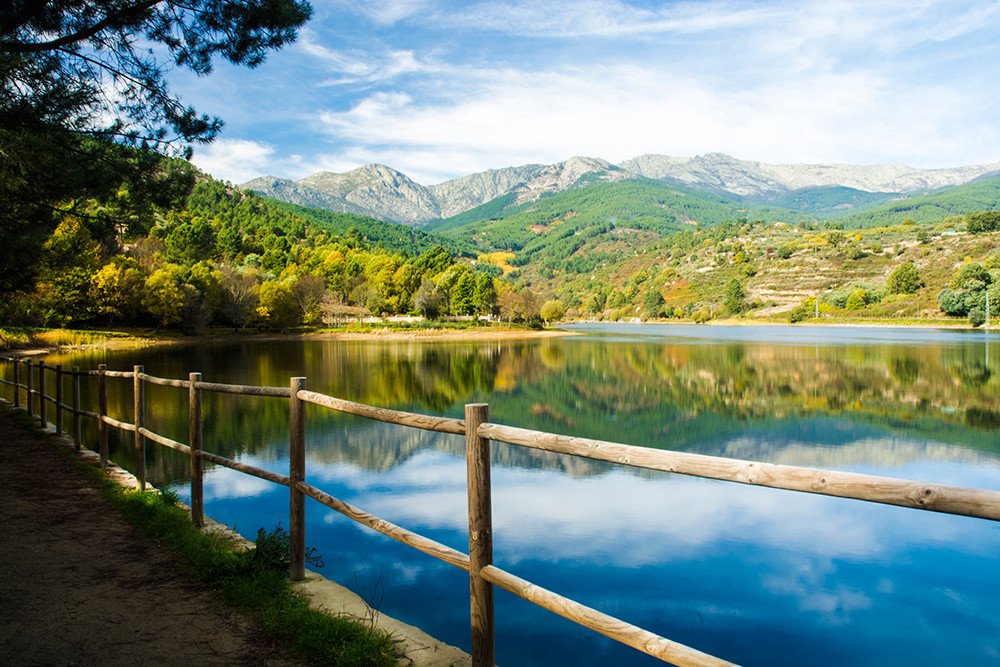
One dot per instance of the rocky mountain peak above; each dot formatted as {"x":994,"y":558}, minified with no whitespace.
{"x":564,"y":175}
{"x":759,"y":179}
{"x":385,"y":193}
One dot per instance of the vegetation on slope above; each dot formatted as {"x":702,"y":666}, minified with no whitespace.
{"x":776,"y":271}
{"x":390,"y":236}
{"x":828,"y":202}
{"x":979,"y":195}
{"x":222,"y":256}
{"x":626,"y":250}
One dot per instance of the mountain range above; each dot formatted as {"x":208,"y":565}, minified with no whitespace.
{"x":387,"y":194}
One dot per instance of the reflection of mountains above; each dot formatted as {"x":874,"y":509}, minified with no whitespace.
{"x":878,"y":452}
{"x":380,"y":447}
{"x":690,"y":397}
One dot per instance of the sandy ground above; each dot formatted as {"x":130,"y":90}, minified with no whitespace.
{"x":79,"y":586}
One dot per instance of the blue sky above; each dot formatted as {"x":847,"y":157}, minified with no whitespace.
{"x":443,"y":89}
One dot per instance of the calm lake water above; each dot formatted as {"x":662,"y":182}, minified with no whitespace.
{"x":756,"y":576}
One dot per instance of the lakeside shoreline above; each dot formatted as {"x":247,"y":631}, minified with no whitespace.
{"x":114,"y":340}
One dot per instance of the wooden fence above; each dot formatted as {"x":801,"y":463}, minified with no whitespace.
{"x":479,"y":433}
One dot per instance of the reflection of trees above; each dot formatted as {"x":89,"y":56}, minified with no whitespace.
{"x":693,"y":397}
{"x":904,"y":369}
{"x":681,"y":396}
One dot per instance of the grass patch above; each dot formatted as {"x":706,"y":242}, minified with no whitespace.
{"x":12,"y":338}
{"x":254,"y":581}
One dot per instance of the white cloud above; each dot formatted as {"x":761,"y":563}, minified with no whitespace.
{"x":222,"y":483}
{"x":239,"y":160}
{"x":604,"y":18}
{"x":387,"y":12}
{"x":508,"y":117}
{"x":356,"y":66}
{"x":441,"y":92}
{"x":235,"y":160}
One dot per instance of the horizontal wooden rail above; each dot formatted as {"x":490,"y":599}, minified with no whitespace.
{"x":120,"y":374}
{"x":978,"y":503}
{"x":244,"y":390}
{"x":165,"y":441}
{"x":125,"y":426}
{"x":419,"y":542}
{"x":92,"y":415}
{"x":609,"y":626}
{"x":165,"y":382}
{"x":277,"y":478}
{"x":426,"y":422}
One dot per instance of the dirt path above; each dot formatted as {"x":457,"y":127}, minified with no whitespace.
{"x":79,"y":586}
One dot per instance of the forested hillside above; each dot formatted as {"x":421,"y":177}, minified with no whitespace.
{"x":555,"y":227}
{"x":619,"y":251}
{"x":227,"y":257}
{"x":389,"y":235}
{"x":980,"y":195}
{"x":828,"y":202}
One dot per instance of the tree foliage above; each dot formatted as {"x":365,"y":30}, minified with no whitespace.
{"x":982,"y":222}
{"x":86,"y":113}
{"x":735,"y":297}
{"x":87,"y":66}
{"x":905,"y":279}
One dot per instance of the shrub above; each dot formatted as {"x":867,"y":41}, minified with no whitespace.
{"x":984,"y":221}
{"x":972,"y":272}
{"x":553,"y":310}
{"x":854,"y":251}
{"x":952,"y":302}
{"x":905,"y":279}
{"x":803,"y":311}
{"x":857,"y":300}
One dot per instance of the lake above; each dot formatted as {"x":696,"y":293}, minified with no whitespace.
{"x":753,"y":575}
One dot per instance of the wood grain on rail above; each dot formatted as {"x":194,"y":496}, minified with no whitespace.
{"x":426,"y":422}
{"x":978,"y":503}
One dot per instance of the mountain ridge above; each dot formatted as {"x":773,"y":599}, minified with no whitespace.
{"x":385,"y":193}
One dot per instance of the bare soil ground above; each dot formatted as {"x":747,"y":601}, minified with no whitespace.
{"x":80,"y":586}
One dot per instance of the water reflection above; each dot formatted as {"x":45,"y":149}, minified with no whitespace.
{"x":733,"y":392}
{"x":733,"y":570}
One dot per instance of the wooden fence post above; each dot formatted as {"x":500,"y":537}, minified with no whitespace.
{"x":139,"y":396}
{"x":59,"y":399}
{"x":28,"y":387}
{"x":77,"y":434}
{"x":297,"y":471}
{"x":17,"y":383}
{"x":194,"y":428}
{"x":43,"y":419}
{"x":477,"y":457}
{"x":102,"y":412}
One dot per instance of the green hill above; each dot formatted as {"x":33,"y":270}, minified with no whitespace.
{"x":828,"y":201}
{"x":390,"y":235}
{"x":557,"y":225}
{"x":491,"y":210}
{"x":982,"y":194}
